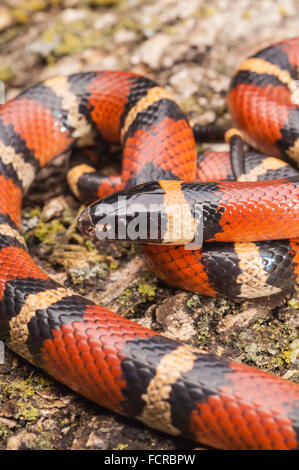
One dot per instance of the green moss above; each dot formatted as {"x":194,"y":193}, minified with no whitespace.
{"x":295,"y":377}
{"x":267,"y":346}
{"x":51,"y":60}
{"x":204,"y":330}
{"x":191,"y":105}
{"x":133,"y":299}
{"x":113,"y":265}
{"x":147,"y":289}
{"x":208,"y":321}
{"x":3,"y":432}
{"x":5,"y":73}
{"x":210,"y":11}
{"x":89,"y":245}
{"x":126,"y":298}
{"x":144,"y":291}
{"x":64,"y":422}
{"x":224,"y":306}
{"x":68,"y":215}
{"x":44,"y":441}
{"x":20,"y":15}
{"x":193,"y":301}
{"x":205,"y":12}
{"x":70,"y":44}
{"x":67,"y":39}
{"x":37,"y":382}
{"x":89,"y":273}
{"x":126,"y":22}
{"x":36,"y":212}
{"x":8,"y":34}
{"x":122,"y":446}
{"x":37,"y":5}
{"x":294,"y":304}
{"x":26,"y":411}
{"x":24,"y":387}
{"x":171,"y":30}
{"x":47,"y":232}
{"x":285,"y":357}
{"x":49,"y":35}
{"x":30,"y":220}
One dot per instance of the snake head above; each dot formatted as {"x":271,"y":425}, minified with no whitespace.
{"x":151,"y":213}
{"x":126,"y":215}
{"x":84,"y":223}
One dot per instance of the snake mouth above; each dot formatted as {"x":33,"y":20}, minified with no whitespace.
{"x":84,"y":223}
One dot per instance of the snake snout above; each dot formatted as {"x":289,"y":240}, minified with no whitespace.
{"x":84,"y":223}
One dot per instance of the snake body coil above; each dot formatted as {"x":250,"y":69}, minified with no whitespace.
{"x":112,"y":361}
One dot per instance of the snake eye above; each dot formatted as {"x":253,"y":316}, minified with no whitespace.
{"x":90,"y":231}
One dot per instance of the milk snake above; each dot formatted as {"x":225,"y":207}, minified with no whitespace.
{"x":108,"y":359}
